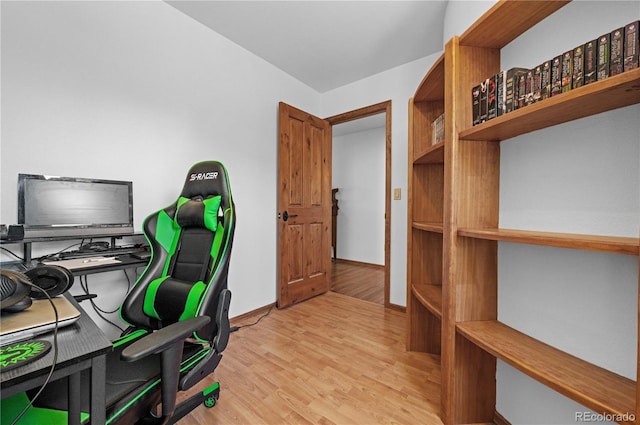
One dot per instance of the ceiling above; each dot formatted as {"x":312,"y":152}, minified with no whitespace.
{"x":326,"y":44}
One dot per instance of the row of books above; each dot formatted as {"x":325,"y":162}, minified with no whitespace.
{"x":608,"y":55}
{"x":437,"y":130}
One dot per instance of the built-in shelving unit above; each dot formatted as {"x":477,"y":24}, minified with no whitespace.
{"x":613,"y":244}
{"x":453,"y":230}
{"x":426,"y":203}
{"x":600,"y":96}
{"x":592,"y":386}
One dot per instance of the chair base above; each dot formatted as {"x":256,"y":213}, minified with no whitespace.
{"x":209,"y":397}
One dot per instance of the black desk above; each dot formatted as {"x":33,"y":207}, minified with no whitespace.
{"x":81,"y":346}
{"x":28,"y":242}
{"x":126,"y":262}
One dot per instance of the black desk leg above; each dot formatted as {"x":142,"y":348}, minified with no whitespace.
{"x":98,"y":390}
{"x":74,"y":399}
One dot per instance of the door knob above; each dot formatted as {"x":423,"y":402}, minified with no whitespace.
{"x":286,"y":215}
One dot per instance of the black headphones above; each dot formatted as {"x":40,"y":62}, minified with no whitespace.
{"x":16,"y":289}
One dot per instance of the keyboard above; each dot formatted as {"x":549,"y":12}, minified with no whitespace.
{"x":84,"y":263}
{"x":111,"y":252}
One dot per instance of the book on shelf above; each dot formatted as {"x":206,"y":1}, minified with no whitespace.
{"x":500,"y":99}
{"x":567,"y":71}
{"x":512,"y":81}
{"x":521,"y":90}
{"x":475,"y":104}
{"x":492,"y":99}
{"x":528,"y":87}
{"x":545,"y":80}
{"x":537,"y":83}
{"x":616,"y":56}
{"x":483,"y":101}
{"x":590,"y":61}
{"x":603,"y":56}
{"x":578,"y":67}
{"x":631,"y":45}
{"x":556,"y":76}
{"x":496,"y":96}
{"x":500,"y":95}
{"x":437,"y":130}
{"x":610,"y":54}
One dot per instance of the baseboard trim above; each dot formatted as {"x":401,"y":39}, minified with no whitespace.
{"x":396,"y":307}
{"x":359,"y":263}
{"x":253,"y":314}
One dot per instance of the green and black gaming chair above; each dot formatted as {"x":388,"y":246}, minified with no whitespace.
{"x":182,"y":292}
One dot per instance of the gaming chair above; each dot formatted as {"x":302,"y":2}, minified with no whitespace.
{"x":177,"y":311}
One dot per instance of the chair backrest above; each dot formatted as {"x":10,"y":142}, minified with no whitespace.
{"x":190,"y":242}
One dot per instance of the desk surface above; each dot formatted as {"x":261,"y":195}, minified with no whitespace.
{"x":77,"y":342}
{"x":124,"y":261}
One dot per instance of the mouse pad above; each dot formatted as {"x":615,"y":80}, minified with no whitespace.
{"x":20,"y":353}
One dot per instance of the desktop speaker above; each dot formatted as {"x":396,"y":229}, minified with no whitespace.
{"x":17,"y":288}
{"x":12,"y":233}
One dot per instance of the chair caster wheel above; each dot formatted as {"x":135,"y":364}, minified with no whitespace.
{"x":210,"y":402}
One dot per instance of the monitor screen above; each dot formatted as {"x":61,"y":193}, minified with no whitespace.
{"x":70,"y":206}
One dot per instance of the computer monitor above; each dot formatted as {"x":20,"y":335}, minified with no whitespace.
{"x":51,"y":206}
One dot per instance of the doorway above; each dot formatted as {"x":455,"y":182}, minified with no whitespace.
{"x":362,"y":271}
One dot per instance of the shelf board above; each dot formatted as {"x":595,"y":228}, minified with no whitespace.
{"x":601,"y":96}
{"x":432,"y":85}
{"x":427,"y":227}
{"x":507,"y":20}
{"x":429,"y":296}
{"x":612,"y":244}
{"x":434,"y":154}
{"x":592,"y":386}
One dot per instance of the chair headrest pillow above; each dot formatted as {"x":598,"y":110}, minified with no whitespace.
{"x":198,"y":213}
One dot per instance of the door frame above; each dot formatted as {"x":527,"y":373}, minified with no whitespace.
{"x":382,"y":107}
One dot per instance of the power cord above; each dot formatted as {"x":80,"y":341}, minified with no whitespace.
{"x":84,"y":283}
{"x":55,"y":254}
{"x":55,"y":355}
{"x":237,"y":328}
{"x":12,"y":253}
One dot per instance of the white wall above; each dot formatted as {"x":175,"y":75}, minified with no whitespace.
{"x":461,"y":14}
{"x":138,"y":91}
{"x":398,"y":85}
{"x":359,"y":174}
{"x":579,"y":177}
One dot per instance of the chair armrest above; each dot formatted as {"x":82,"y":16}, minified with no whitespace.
{"x":164,"y":338}
{"x":167,"y":341}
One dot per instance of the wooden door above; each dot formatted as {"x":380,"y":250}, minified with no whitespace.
{"x":304,"y":206}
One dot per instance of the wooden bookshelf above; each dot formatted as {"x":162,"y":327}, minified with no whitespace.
{"x":613,"y":244}
{"x":431,"y":88}
{"x":429,"y":296}
{"x":434,"y":154}
{"x":601,"y":96}
{"x":425,"y":206}
{"x":594,"y":387}
{"x":506,"y":21}
{"x":453,"y":226}
{"x":428,"y":227}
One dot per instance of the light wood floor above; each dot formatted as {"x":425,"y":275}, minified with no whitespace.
{"x":329,"y":360}
{"x":365,"y":282}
